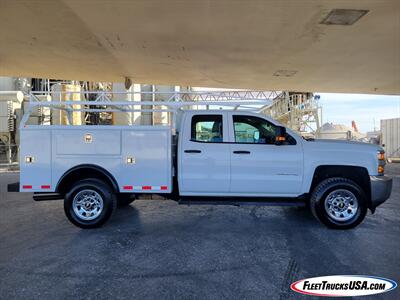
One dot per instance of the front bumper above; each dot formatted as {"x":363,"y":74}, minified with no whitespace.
{"x":381,"y":188}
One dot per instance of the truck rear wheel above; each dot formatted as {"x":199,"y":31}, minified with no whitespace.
{"x":339,"y":203}
{"x":89,"y":203}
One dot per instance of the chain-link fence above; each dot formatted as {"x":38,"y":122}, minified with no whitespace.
{"x":9,"y":156}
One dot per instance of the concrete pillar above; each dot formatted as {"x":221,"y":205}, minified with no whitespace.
{"x":163,"y":118}
{"x":137,"y":98}
{"x":143,"y":118}
{"x":122,"y":118}
{"x":147,"y":117}
{"x":60,"y":117}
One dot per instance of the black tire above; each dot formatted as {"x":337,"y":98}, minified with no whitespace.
{"x":319,"y":198}
{"x":94,"y":188}
{"x":125,"y":199}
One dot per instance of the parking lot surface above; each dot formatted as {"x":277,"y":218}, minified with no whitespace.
{"x":157,"y":249}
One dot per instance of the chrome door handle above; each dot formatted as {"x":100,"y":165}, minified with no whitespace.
{"x":192,"y":151}
{"x":241,"y":152}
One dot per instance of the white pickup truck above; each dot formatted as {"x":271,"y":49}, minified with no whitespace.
{"x":218,"y":156}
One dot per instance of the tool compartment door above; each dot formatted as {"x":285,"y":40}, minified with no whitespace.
{"x":35,"y":176}
{"x":146,"y":165}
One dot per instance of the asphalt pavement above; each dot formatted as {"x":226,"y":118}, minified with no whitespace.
{"x":157,"y":249}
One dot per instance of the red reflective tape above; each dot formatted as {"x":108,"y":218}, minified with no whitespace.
{"x":26,"y":186}
{"x":128,"y":187}
{"x":164,"y":187}
{"x":146,"y":187}
{"x":45,"y":186}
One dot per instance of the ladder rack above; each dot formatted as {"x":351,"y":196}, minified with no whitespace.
{"x":174,"y":101}
{"x":175,"y":96}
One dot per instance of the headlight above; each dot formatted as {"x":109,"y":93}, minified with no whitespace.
{"x":381,"y":162}
{"x":381,"y":170}
{"x":381,"y":155}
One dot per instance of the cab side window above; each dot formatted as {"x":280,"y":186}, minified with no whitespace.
{"x":254,"y":130}
{"x":207,"y":128}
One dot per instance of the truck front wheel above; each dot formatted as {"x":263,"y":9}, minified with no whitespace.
{"x":339,"y":203}
{"x":89,"y":203}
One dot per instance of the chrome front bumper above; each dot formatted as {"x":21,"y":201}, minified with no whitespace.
{"x":381,"y":188}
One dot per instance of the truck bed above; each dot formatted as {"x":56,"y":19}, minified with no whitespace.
{"x":138,"y":157}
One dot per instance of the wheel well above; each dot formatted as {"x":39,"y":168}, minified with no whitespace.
{"x":357,"y":174}
{"x":83,"y":172}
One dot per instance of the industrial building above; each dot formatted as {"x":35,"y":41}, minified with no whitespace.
{"x":299,"y":111}
{"x":390,"y":138}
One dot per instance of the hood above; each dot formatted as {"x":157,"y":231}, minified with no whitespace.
{"x":343,"y":143}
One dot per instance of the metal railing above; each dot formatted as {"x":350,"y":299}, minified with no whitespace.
{"x":174,"y":96}
{"x":172,"y":102}
{"x":9,"y":156}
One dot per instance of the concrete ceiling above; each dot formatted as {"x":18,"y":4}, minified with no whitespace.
{"x":231,"y":44}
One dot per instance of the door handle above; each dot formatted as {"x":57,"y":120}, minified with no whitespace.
{"x":241,"y":152}
{"x":192,"y":151}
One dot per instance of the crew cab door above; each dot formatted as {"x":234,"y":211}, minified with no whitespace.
{"x":204,"y":158}
{"x":258,"y":165}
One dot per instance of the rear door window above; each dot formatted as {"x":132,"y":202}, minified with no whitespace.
{"x":207,"y":128}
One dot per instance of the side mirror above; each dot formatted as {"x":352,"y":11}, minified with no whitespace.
{"x":280,"y":135}
{"x":256,"y":135}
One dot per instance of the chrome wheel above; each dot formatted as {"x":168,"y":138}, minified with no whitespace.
{"x":87,"y":204}
{"x":341,"y":205}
